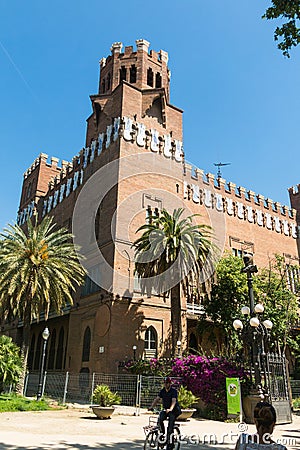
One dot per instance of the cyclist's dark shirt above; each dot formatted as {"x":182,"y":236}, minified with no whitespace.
{"x":167,"y":396}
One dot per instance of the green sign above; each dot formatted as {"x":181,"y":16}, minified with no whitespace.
{"x":233,"y":391}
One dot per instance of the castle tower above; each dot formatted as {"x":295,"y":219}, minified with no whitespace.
{"x":142,"y":69}
{"x":134,"y":84}
{"x":134,"y":129}
{"x":36,"y":184}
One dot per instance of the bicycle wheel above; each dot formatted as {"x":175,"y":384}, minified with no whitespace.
{"x":151,"y":440}
{"x":176,"y":438}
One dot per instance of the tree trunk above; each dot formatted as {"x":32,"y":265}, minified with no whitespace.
{"x":176,"y":318}
{"x":24,"y":349}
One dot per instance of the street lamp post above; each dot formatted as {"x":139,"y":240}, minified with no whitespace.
{"x":134,"y":352}
{"x":254,"y":332}
{"x":45,"y":336}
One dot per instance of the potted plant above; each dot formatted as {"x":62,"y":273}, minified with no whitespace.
{"x":104,"y":399}
{"x":186,"y":399}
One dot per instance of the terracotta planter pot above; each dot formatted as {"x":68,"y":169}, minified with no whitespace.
{"x":186,"y":414}
{"x":249,"y":403}
{"x":103,"y":412}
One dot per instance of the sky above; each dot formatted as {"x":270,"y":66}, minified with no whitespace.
{"x":240,"y":96}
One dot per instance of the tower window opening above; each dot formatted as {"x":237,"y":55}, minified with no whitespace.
{"x":132,"y":78}
{"x":150,"y":77}
{"x":103,"y":86}
{"x":123,"y":73}
{"x":158,"y":80}
{"x":108,"y":82}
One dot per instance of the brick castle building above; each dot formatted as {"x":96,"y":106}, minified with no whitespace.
{"x":131,"y":167}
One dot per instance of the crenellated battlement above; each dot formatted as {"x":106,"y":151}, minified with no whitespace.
{"x":42,"y":159}
{"x":141,"y":68}
{"x":227,"y":189}
{"x":294,"y":190}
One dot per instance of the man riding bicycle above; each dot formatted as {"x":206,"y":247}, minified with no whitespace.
{"x":171,"y":410}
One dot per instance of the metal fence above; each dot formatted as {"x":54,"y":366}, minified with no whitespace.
{"x":135,"y":390}
{"x":278,"y":387}
{"x":295,"y":387}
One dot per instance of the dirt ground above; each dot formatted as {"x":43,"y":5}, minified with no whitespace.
{"x":75,"y":428}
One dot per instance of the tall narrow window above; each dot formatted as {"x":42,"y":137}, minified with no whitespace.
{"x":52,"y":350}
{"x":133,"y":74}
{"x":158,"y":80}
{"x":193,"y":344}
{"x":60,"y":349}
{"x":150,"y":339}
{"x":108,"y":81}
{"x":31,"y":353}
{"x":29,"y":190}
{"x":103,"y":86}
{"x":86,"y":345}
{"x":150,"y":77}
{"x":37,"y":356}
{"x":123,"y":73}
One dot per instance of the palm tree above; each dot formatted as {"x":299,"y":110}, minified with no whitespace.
{"x":39,"y":269}
{"x":170,"y":249}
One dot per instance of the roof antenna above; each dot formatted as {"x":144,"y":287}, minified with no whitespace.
{"x":219,"y":165}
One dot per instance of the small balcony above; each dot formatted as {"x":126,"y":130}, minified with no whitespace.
{"x":195,"y":309}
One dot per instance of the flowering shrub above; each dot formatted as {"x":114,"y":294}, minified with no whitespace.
{"x":206,"y":378}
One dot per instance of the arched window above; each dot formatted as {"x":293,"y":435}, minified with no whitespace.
{"x":60,"y":349}
{"x":108,"y":81}
{"x":122,"y":73}
{"x":37,"y":356}
{"x":193,"y":344}
{"x":150,"y":339}
{"x":31,"y":353}
{"x":86,"y":344}
{"x":132,"y":77}
{"x":158,"y":80}
{"x":103,"y":86}
{"x":150,"y":77}
{"x":52,"y":350}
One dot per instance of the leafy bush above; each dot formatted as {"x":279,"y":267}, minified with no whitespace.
{"x":206,"y":378}
{"x":10,"y":362}
{"x":103,"y":396}
{"x":296,"y":403}
{"x":186,"y":398}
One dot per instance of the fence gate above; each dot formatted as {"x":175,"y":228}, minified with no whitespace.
{"x":278,"y":387}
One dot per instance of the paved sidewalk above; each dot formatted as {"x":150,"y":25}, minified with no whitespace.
{"x":80,"y":429}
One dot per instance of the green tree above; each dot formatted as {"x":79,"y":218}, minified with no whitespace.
{"x":281,"y":304}
{"x":171,"y":248}
{"x":288,"y":33}
{"x":39,"y":269}
{"x":228,"y":294}
{"x":10,"y":362}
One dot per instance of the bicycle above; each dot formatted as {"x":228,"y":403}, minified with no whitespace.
{"x":153,"y":435}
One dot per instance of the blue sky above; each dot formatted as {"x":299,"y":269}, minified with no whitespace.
{"x":239,"y":94}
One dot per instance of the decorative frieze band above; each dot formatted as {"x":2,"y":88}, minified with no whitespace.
{"x":151,"y":139}
{"x":25,"y":213}
{"x":210,"y":199}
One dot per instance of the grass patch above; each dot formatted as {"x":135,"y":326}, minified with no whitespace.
{"x":296,"y":403}
{"x":13,"y":402}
